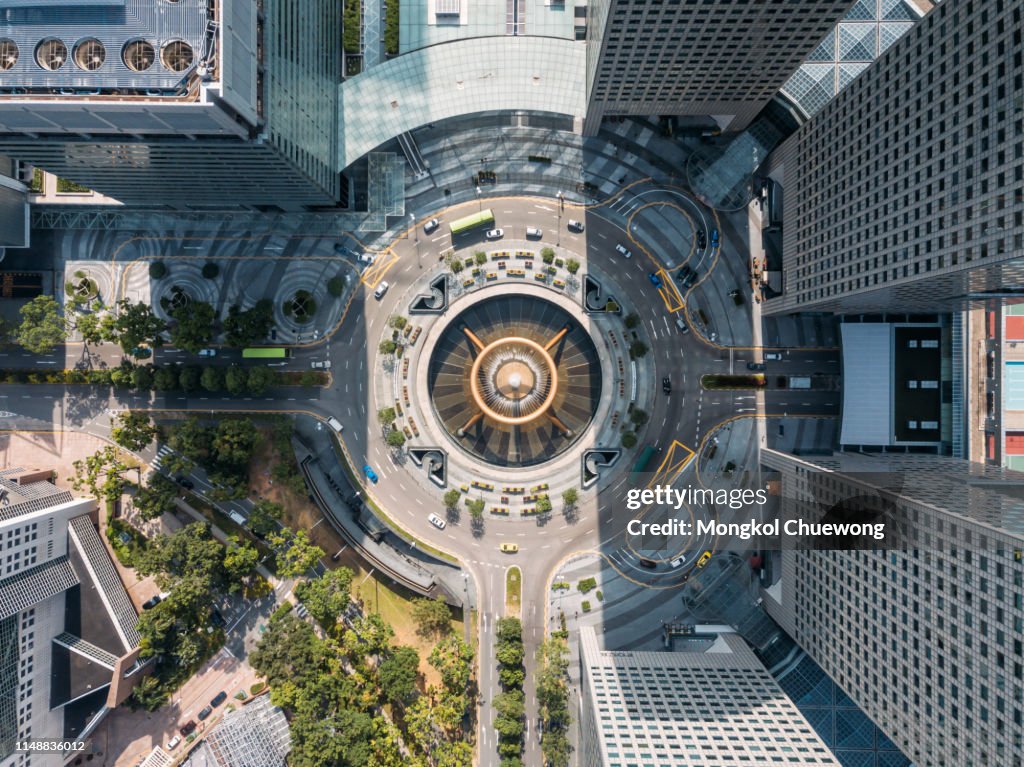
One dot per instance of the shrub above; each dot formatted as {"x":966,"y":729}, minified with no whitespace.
{"x":637,"y":350}
{"x":560,"y":586}
{"x":585,"y":606}
{"x":572,"y":265}
{"x":547,"y":255}
{"x":480,"y":257}
{"x":632,"y":320}
{"x":351,"y":26}
{"x":587,"y":584}
{"x":599,"y":595}
{"x":210,"y":270}
{"x":257,"y":688}
{"x":336,"y":286}
{"x":157,"y":270}
{"x":628,"y":440}
{"x":391,"y":26}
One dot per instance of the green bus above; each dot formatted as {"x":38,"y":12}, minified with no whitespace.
{"x":483,"y":218}
{"x":644,"y":459}
{"x":265,"y":353}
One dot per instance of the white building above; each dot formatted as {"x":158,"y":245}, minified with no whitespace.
{"x":670,"y":709}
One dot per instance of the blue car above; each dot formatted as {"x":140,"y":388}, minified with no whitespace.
{"x":655,"y":279}
{"x":370,"y":474}
{"x":714,"y":238}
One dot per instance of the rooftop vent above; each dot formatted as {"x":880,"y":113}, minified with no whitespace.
{"x":177,"y":56}
{"x":51,"y":54}
{"x":138,"y":55}
{"x":90,"y":54}
{"x":8,"y":54}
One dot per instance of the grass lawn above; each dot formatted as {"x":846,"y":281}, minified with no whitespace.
{"x":513,"y":591}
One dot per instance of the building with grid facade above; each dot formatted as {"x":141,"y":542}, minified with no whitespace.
{"x":256,"y":734}
{"x":926,"y":636}
{"x":720,"y":58}
{"x":195,"y":104}
{"x":669,"y":709}
{"x":906,"y":192}
{"x":68,"y":637}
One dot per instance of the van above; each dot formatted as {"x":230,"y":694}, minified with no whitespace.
{"x":532,"y":231}
{"x":335,"y":424}
{"x":575,"y":226}
{"x":381,"y":290}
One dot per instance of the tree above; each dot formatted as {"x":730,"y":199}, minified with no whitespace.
{"x":543,"y":505}
{"x":193,"y":325}
{"x":89,"y":327}
{"x":240,"y":561}
{"x":235,"y":379}
{"x":157,"y":270}
{"x":476,"y":507}
{"x":637,"y":350}
{"x":288,"y":652}
{"x":244,"y":328}
{"x":570,"y":497}
{"x":547,"y":255}
{"x":638,"y":417}
{"x":42,"y":326}
{"x":432,"y":617}
{"x":510,"y":654}
{"x":165,"y":378}
{"x":295,"y":554}
{"x":260,"y":379}
{"x":387,"y":347}
{"x":135,"y":326}
{"x":133,"y":430}
{"x":395,"y":439}
{"x":397,"y":321}
{"x":629,"y":440}
{"x":142,"y":378}
{"x":189,"y":553}
{"x":387,"y":416}
{"x":553,"y":700}
{"x":480,"y":257}
{"x":369,"y":635}
{"x":157,"y":497}
{"x":632,"y":320}
{"x":326,"y":597}
{"x":511,"y":711}
{"x":572,"y":265}
{"x":264,"y":517}
{"x":210,"y":270}
{"x":510,"y":630}
{"x":451,"y":499}
{"x":235,"y":441}
{"x":192,"y":440}
{"x":336,"y":286}
{"x":397,"y":675}
{"x":149,"y":693}
{"x":453,"y":660}
{"x":190,"y":378}
{"x":212,"y":379}
{"x":455,"y":264}
{"x":105,"y":463}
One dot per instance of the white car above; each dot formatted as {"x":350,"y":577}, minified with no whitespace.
{"x":381,"y":290}
{"x":575,"y":226}
{"x":495,"y":234}
{"x":774,"y":356}
{"x":680,"y":560}
{"x":532,"y":231}
{"x":173,"y":742}
{"x":321,"y":364}
{"x":437,"y":522}
{"x":367,"y":258}
{"x":623,"y":250}
{"x":207,"y":352}
{"x":431,"y":225}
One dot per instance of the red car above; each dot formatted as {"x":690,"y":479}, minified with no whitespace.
{"x":187,"y":729}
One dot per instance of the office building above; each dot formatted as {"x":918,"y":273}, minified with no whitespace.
{"x":925,"y":635}
{"x":177,"y":105}
{"x":725,"y":58}
{"x":717,"y":706}
{"x":68,"y":641}
{"x":906,"y":191}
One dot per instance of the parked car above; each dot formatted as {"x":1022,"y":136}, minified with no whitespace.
{"x":534,"y":232}
{"x":755,"y":366}
{"x":704,"y":559}
{"x":437,"y":522}
{"x":666,"y":385}
{"x":575,"y":226}
{"x":367,"y":258}
{"x":152,"y":602}
{"x":187,"y":729}
{"x":173,"y":742}
{"x":737,"y":297}
{"x":495,"y":234}
{"x":219,"y":698}
{"x":207,"y":352}
{"x":509,"y":548}
{"x":381,"y":290}
{"x":205,"y":713}
{"x":321,"y":364}
{"x":714,"y":238}
{"x":185,"y":482}
{"x":431,"y":225}
{"x":655,"y":279}
{"x":370,"y":474}
{"x":623,"y":250}
{"x":773,"y":356}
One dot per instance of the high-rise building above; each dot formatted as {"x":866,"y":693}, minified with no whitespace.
{"x":926,"y":633}
{"x":906,"y":191}
{"x":717,"y":706}
{"x":721,"y":58}
{"x":189,"y":104}
{"x":68,"y":638}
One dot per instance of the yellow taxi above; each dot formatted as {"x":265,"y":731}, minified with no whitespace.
{"x":509,"y":548}
{"x":704,"y":559}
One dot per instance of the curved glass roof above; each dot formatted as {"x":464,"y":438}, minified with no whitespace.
{"x":483,"y":74}
{"x":865,"y":33}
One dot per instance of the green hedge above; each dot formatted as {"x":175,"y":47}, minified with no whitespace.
{"x":123,"y":377}
{"x":391,"y":18}
{"x":351,"y":32}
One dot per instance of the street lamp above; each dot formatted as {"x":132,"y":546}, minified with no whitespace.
{"x":480,"y":205}
{"x":416,"y":234}
{"x":561,"y":204}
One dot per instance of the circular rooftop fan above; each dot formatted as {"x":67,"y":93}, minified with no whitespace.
{"x":51,"y":54}
{"x":177,"y":56}
{"x":138,"y":55}
{"x":8,"y":54}
{"x":90,"y":54}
